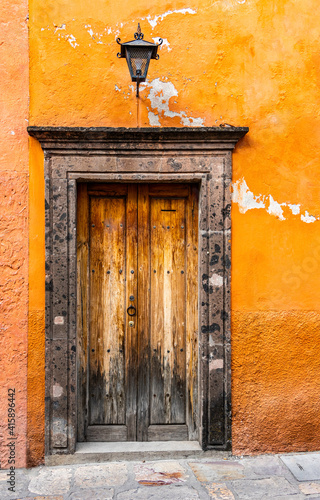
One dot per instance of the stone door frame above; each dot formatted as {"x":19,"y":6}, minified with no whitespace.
{"x":201,"y":155}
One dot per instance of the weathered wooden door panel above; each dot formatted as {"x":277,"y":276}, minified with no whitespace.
{"x":107,"y":311}
{"x":140,"y":382}
{"x":168,"y":311}
{"x":143,"y":400}
{"x":171,"y":312}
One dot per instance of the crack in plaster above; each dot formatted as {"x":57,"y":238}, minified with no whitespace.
{"x":248,"y":201}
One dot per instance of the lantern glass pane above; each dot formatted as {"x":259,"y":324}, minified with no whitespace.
{"x":138,"y":60}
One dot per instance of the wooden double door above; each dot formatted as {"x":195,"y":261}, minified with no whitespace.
{"x":137,"y":277}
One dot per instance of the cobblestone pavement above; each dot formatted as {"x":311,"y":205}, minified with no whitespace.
{"x":260,"y":477}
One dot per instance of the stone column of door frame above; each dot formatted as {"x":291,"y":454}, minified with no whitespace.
{"x":199,"y":155}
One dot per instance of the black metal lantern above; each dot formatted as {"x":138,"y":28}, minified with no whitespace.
{"x":138,"y":53}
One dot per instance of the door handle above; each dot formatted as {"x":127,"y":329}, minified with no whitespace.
{"x":133,"y":309}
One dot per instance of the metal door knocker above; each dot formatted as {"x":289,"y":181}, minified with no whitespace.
{"x":133,"y":309}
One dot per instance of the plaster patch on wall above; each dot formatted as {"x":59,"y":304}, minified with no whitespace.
{"x":58,"y":28}
{"x":308,"y":218}
{"x":165,"y":43}
{"x":90,"y":31}
{"x":61,"y":36}
{"x":65,"y":36}
{"x":245,"y":198}
{"x":154,"y":21}
{"x":160,"y":94}
{"x":71,"y":39}
{"x":275,"y":208}
{"x":95,"y":36}
{"x":108,"y":30}
{"x":189,"y":121}
{"x":248,"y":201}
{"x":295,"y":209}
{"x":153,"y":119}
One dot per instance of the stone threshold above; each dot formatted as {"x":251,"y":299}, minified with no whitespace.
{"x":128,"y":451}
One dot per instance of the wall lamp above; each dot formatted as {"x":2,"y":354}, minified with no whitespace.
{"x":138,"y":53}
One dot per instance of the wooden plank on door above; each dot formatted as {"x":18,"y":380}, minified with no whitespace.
{"x":169,"y":189}
{"x":168,"y":311}
{"x":107,"y":189}
{"x":82,"y":308}
{"x":143,"y":313}
{"x":107,"y":310}
{"x":108,"y":433}
{"x":168,"y":433}
{"x":131,"y":353}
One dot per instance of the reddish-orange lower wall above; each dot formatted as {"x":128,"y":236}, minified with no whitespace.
{"x":13,"y":313}
{"x":13,"y":226}
{"x":275,"y":381}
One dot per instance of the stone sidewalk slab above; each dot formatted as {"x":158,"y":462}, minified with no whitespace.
{"x":304,"y":467}
{"x":160,"y":493}
{"x":219,"y":492}
{"x":263,"y":488}
{"x":263,"y":466}
{"x":99,"y":476}
{"x":212,"y":478}
{"x":310,"y":488}
{"x":51,"y":481}
{"x":42,"y":498}
{"x":217,"y":470}
{"x":96,"y":494}
{"x":159,"y":473}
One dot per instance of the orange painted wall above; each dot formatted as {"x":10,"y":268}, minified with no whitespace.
{"x":36,"y":335}
{"x":249,"y":63}
{"x":14,"y":168}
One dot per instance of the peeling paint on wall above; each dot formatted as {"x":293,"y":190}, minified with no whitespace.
{"x":308,"y":218}
{"x":153,"y":119}
{"x":154,"y":21}
{"x":295,"y":209}
{"x":96,"y":36}
{"x":58,"y":28}
{"x":61,"y":36}
{"x":275,"y":208}
{"x":165,"y":43}
{"x":246,"y":200}
{"x":159,"y":95}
